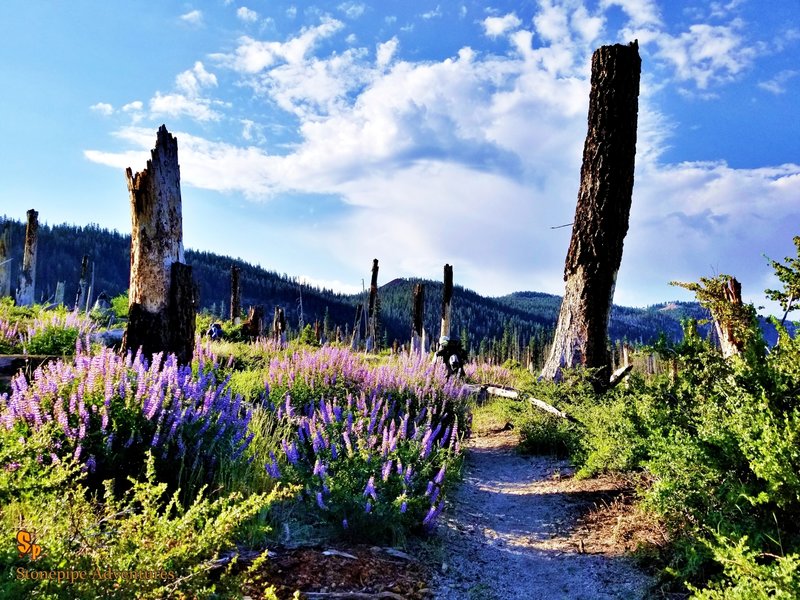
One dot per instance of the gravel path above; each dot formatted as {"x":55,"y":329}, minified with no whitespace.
{"x":514,"y":533}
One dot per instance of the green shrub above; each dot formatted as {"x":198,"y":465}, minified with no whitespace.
{"x":142,"y":546}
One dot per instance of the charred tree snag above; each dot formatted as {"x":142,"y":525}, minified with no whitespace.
{"x":27,"y":277}
{"x":447,"y":298}
{"x":80,"y":299}
{"x":417,"y":321}
{"x":372,"y":316}
{"x":236,"y":302}
{"x":162,"y":300}
{"x":253,"y":327}
{"x":279,"y":326}
{"x":5,"y":260}
{"x":601,"y":215}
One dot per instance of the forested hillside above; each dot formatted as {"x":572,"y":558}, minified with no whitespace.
{"x":500,"y":328}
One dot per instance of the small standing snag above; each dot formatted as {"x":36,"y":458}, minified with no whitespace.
{"x":236,"y":302}
{"x":417,"y":321}
{"x":279,"y":326}
{"x":27,"y":277}
{"x":5,"y":260}
{"x":357,"y":327}
{"x":372,"y":317}
{"x":162,"y":300}
{"x":447,"y":298}
{"x":80,"y":300}
{"x":601,"y":215}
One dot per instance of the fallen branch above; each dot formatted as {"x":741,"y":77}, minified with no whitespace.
{"x":506,"y":392}
{"x":618,"y":375}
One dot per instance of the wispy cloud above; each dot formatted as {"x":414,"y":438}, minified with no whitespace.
{"x":495,"y":26}
{"x":432,"y":14}
{"x":352,"y":10}
{"x":247,"y":15}
{"x":103,"y":108}
{"x":193,"y":17}
{"x":777,"y":84}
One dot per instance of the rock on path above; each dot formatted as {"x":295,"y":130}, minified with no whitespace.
{"x":511,"y":533}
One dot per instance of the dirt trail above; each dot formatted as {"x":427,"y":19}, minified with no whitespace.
{"x":516,"y":531}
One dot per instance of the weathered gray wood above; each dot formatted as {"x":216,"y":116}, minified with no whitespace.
{"x":59,"y":295}
{"x":80,"y":299}
{"x":5,"y":259}
{"x":357,"y":327}
{"x":619,"y":375}
{"x":601,"y":215}
{"x":505,"y":392}
{"x":162,"y":298}
{"x":27,"y":276}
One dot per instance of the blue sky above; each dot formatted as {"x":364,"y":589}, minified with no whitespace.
{"x":314,"y":137}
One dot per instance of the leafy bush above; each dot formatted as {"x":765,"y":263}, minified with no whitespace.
{"x":139,"y":546}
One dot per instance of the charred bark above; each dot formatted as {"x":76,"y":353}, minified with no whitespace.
{"x":236,"y":296}
{"x":372,"y":317}
{"x":417,"y":317}
{"x":447,"y":298}
{"x":601,"y":215}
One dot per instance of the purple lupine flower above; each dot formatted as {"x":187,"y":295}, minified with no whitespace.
{"x":370,"y":489}
{"x":345,"y":525}
{"x":440,"y":475}
{"x":91,"y":464}
{"x":403,"y":507}
{"x":386,"y":470}
{"x":435,"y":494}
{"x":408,"y":474}
{"x":368,"y":507}
{"x":429,"y":488}
{"x":320,"y":502}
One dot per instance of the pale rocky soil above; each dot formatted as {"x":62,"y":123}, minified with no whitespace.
{"x":523,"y":528}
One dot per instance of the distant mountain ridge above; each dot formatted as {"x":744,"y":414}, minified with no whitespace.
{"x":502,"y":326}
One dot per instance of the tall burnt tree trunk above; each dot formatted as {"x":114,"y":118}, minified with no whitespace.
{"x":162,"y":299}
{"x":5,"y":260}
{"x":601,"y":216}
{"x":236,"y":297}
{"x":372,"y":318}
{"x":447,"y":298}
{"x":417,"y":318}
{"x":27,"y":277}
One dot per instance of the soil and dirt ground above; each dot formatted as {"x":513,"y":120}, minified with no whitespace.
{"x":517,"y":527}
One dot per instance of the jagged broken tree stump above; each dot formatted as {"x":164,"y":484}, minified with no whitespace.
{"x":163,"y":297}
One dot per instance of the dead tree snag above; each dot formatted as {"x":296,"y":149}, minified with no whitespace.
{"x":5,"y":260}
{"x":417,"y":318}
{"x":601,"y":215}
{"x":236,"y":295}
{"x":372,"y":311}
{"x":162,"y":299}
{"x":447,"y":298}
{"x":27,"y":277}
